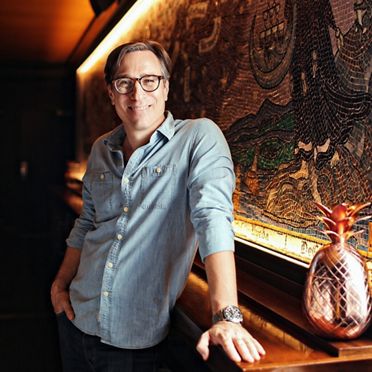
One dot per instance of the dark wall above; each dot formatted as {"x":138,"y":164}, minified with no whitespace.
{"x":37,"y":122}
{"x":37,"y":125}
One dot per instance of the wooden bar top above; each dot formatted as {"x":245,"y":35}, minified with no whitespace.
{"x":275,"y":319}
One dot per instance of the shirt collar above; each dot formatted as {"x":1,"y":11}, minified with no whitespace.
{"x":167,"y":128}
{"x":115,"y":138}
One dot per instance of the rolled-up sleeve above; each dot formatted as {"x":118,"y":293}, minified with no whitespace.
{"x":84,"y":223}
{"x":211,"y":183}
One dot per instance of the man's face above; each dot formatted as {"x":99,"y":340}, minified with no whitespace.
{"x":140,"y":111}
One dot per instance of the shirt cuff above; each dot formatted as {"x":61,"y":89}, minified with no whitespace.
{"x":216,"y":239}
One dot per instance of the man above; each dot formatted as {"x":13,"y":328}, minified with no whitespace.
{"x":154,"y":188}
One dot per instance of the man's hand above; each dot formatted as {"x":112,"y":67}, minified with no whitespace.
{"x":59,"y":292}
{"x":236,"y":341}
{"x":61,"y":301}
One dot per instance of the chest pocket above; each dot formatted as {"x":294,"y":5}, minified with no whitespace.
{"x":102,"y":187}
{"x":157,"y":186}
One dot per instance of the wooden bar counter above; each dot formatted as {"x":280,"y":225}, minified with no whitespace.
{"x":272,"y":311}
{"x":270,"y":291}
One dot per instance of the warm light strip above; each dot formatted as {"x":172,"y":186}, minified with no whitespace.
{"x":281,"y":229}
{"x":273,"y":253}
{"x":139,"y":8}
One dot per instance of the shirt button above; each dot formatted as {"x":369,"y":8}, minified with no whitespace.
{"x":126,"y":180}
{"x":102,"y":176}
{"x":105,"y":293}
{"x":126,"y":209}
{"x":110,"y":265}
{"x":158,"y":170}
{"x":119,"y":236}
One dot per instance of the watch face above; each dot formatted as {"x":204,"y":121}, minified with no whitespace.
{"x":232,"y":314}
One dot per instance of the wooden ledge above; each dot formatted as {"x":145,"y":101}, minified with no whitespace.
{"x":284,"y":349}
{"x":274,"y":316}
{"x":282,"y":308}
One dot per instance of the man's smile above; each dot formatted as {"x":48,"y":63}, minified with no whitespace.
{"x":139,"y":108}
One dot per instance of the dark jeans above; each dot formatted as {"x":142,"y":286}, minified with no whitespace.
{"x":84,"y":353}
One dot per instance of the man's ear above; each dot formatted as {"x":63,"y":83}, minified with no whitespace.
{"x":166,"y":82}
{"x":111,"y":94}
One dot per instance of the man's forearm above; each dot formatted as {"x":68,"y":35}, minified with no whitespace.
{"x":68,"y":268}
{"x":237,"y":342}
{"x":221,"y":275}
{"x":59,"y":292}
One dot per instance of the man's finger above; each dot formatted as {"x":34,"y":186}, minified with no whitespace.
{"x":231,"y":350}
{"x":259,"y":347}
{"x":69,"y":312}
{"x":203,"y":346}
{"x":252,"y":347}
{"x":244,"y":351}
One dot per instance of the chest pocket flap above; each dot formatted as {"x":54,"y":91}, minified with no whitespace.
{"x":157,"y":186}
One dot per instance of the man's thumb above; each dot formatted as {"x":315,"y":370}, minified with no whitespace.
{"x":203,"y":345}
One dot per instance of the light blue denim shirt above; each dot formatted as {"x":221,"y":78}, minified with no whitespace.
{"x":141,"y":224}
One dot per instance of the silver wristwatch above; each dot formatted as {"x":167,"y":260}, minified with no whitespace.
{"x":229,"y":313}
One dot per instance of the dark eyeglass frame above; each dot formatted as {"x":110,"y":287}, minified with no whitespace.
{"x":159,"y":77}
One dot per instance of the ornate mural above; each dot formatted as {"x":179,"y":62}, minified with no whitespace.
{"x":288,"y":82}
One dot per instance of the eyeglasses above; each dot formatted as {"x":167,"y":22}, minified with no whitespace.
{"x":148,"y":83}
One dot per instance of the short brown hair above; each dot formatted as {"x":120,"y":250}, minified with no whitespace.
{"x":116,"y":56}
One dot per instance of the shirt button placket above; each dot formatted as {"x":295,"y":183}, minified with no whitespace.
{"x":109,"y":271}
{"x":125,"y":208}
